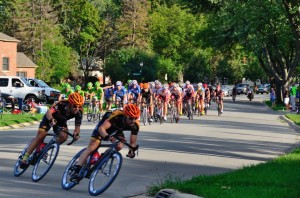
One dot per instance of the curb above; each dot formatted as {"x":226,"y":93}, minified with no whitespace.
{"x":17,"y":126}
{"x":290,"y":123}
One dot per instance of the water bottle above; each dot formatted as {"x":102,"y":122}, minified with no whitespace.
{"x":41,"y":146}
{"x":95,"y":157}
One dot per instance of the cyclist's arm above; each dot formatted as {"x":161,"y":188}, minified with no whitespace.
{"x":102,"y":129}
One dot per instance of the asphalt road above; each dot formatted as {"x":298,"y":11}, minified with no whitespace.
{"x":247,"y":133}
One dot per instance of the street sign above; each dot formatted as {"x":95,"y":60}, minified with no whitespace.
{"x":136,"y":74}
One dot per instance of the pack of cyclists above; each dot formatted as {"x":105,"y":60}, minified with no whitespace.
{"x":153,"y":94}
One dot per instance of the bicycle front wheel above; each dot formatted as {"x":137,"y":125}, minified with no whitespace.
{"x":45,"y":161}
{"x":17,"y":170}
{"x":65,"y":180}
{"x":144,"y":116}
{"x":105,"y":174}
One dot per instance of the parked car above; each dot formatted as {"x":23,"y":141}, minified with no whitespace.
{"x":225,"y":91}
{"x":263,"y":88}
{"x":51,"y":94}
{"x":241,"y":88}
{"x":19,"y":87}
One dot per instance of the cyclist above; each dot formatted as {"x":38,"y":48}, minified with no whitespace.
{"x":164,"y":94}
{"x":218,"y":94}
{"x":65,"y":92}
{"x":146,"y":96}
{"x":234,"y":93}
{"x":119,"y":94}
{"x":89,"y":92}
{"x":78,"y":90}
{"x":57,"y":115}
{"x":108,"y":95}
{"x":133,"y":92}
{"x":99,"y":95}
{"x":118,"y":120}
{"x":176,"y":94}
{"x":200,"y":98}
{"x":206,"y":95}
{"x":188,"y":93}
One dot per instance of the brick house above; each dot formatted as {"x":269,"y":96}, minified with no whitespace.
{"x":13,"y":63}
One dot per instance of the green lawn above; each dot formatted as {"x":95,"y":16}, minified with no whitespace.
{"x":10,"y":119}
{"x":279,"y":178}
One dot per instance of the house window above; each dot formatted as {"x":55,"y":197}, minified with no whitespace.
{"x":22,"y":74}
{"x":5,"y":64}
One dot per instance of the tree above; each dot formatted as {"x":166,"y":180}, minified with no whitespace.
{"x":124,"y":64}
{"x":132,"y":26}
{"x":81,"y":27}
{"x":56,"y":61}
{"x":269,"y":29}
{"x":173,"y":32}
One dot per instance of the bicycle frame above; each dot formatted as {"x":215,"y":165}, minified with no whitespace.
{"x":107,"y":166}
{"x":35,"y":158}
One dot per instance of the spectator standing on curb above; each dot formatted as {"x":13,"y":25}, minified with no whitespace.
{"x":286,"y":99}
{"x":272,"y":97}
{"x":293,"y":96}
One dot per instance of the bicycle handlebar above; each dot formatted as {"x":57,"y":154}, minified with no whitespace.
{"x":59,"y":128}
{"x":114,"y":134}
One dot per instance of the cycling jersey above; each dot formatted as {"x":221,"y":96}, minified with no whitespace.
{"x":98,"y":93}
{"x":207,"y":93}
{"x":108,"y":93}
{"x":200,"y":93}
{"x":120,"y":92}
{"x":118,"y":123}
{"x":135,"y":90}
{"x":61,"y":114}
{"x":219,"y":94}
{"x":146,"y":95}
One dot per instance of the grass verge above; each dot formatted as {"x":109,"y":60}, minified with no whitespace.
{"x":277,"y":178}
{"x":11,"y":119}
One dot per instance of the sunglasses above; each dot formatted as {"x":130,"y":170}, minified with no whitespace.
{"x":132,"y":119}
{"x":76,"y":106}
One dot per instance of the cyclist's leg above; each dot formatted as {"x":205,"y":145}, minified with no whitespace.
{"x":202,"y":106}
{"x":165,"y":110}
{"x":44,"y":127}
{"x":62,"y":137}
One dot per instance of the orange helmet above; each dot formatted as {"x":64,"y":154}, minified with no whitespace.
{"x":75,"y":99}
{"x":132,"y":111}
{"x":146,"y":85}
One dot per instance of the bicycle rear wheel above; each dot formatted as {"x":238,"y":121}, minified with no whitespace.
{"x":105,"y":174}
{"x":95,"y":117}
{"x":65,"y":180}
{"x":45,"y":161}
{"x":219,"y":109}
{"x":17,"y":170}
{"x":89,"y":114}
{"x":144,"y":116}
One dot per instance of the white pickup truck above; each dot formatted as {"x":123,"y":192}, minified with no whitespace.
{"x":19,"y":87}
{"x":51,"y":94}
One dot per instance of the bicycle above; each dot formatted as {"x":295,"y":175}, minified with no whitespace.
{"x":158,"y":111}
{"x":219,"y":106}
{"x":101,"y":172}
{"x":93,"y":112}
{"x":206,"y":106}
{"x":43,"y":157}
{"x":173,"y":111}
{"x":189,"y":109}
{"x":145,"y":113}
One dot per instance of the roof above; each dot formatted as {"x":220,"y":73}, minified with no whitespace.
{"x":4,"y":37}
{"x":23,"y":61}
